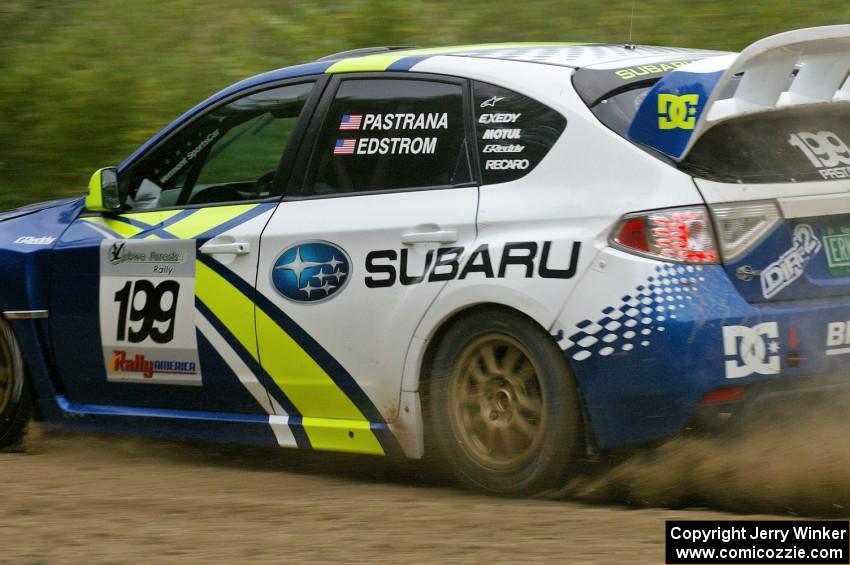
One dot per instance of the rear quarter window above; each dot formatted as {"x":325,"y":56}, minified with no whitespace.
{"x":514,"y":132}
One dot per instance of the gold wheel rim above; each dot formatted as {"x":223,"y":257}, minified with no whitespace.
{"x":496,"y":402}
{"x":7,"y":374}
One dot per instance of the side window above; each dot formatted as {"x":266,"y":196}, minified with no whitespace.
{"x":385,"y":134}
{"x":229,"y":154}
{"x":514,"y":132}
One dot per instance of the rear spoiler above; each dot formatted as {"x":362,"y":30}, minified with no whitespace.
{"x":688,"y":101}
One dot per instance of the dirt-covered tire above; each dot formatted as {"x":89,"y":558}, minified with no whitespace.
{"x":15,"y":401}
{"x":504,"y":408}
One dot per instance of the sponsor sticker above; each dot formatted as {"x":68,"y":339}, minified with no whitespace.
{"x":508,"y":133}
{"x":751,"y":350}
{"x":677,"y":112}
{"x":147,"y":311}
{"x":838,"y":338}
{"x":825,"y":151}
{"x":792,"y":264}
{"x":35,"y":240}
{"x":499,"y":118}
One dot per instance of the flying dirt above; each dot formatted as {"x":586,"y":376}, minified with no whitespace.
{"x":80,"y":498}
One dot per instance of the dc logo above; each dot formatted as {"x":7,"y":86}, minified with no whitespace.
{"x":756,"y":347}
{"x":677,"y":111}
{"x":311,"y":271}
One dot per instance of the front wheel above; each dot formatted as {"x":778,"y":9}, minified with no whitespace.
{"x":504,"y":407}
{"x":14,"y":390}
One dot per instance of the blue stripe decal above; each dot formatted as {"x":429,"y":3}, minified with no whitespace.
{"x":135,"y":412}
{"x":387,"y":440}
{"x":294,"y":416}
{"x":238,"y":220}
{"x":131,"y":222}
{"x":407,"y":63}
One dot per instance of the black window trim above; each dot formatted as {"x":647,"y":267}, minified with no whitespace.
{"x":282,"y":177}
{"x":305,"y":173}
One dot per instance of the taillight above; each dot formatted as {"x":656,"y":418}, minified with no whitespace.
{"x":681,"y":235}
{"x":742,"y":224}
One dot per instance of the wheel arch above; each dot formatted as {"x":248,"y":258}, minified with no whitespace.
{"x":431,"y":345}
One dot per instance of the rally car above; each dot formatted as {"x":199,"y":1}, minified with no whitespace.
{"x":509,"y":256}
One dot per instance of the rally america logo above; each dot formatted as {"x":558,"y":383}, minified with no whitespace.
{"x":311,"y":271}
{"x":752,"y":350}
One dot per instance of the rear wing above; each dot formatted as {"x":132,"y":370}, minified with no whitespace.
{"x":793,"y":74}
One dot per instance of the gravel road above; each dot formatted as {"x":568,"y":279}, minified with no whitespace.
{"x":108,"y":499}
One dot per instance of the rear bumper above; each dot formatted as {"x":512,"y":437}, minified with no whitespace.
{"x":648,"y":341}
{"x":776,"y":400}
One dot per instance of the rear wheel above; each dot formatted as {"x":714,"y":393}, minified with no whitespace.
{"x":504,"y":407}
{"x":14,"y":390}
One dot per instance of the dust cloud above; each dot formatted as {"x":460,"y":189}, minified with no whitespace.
{"x":793,"y":460}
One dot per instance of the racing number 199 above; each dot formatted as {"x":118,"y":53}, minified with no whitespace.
{"x":150,"y":304}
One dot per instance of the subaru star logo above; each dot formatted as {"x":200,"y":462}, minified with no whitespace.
{"x":311,"y":272}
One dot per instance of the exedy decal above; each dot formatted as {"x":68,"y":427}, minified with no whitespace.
{"x":388,"y":266}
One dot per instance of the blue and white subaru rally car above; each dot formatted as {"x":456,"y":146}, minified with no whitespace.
{"x":509,"y":255}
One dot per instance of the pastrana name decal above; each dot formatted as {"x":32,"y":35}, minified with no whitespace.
{"x":390,"y":122}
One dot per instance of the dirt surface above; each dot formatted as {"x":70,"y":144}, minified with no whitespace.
{"x":74,"y":498}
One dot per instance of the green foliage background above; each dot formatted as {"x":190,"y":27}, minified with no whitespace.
{"x":84,"y":82}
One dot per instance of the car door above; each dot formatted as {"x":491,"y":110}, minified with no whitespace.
{"x":153,"y":307}
{"x":355,"y":254}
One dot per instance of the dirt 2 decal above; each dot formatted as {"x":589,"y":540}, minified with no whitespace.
{"x":147,"y":327}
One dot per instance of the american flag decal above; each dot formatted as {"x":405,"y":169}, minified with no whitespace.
{"x":350,"y":122}
{"x":344,"y":147}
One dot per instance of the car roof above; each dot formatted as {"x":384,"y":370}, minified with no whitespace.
{"x":572,"y":55}
{"x":561,"y":54}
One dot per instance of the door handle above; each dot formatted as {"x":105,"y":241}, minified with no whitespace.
{"x":438,"y":236}
{"x":239,"y":248}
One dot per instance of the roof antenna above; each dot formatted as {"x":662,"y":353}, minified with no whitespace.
{"x":631,"y":46}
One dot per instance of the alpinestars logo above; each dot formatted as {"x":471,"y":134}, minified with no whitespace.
{"x":752,"y":350}
{"x":311,"y":271}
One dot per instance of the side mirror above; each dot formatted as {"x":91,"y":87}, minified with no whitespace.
{"x":103,"y":193}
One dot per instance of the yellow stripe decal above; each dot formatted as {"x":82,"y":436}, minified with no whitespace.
{"x":233,"y":308}
{"x":382,"y":61}
{"x":310,"y":389}
{"x":206,"y":219}
{"x":306,"y":384}
{"x":341,"y":435}
{"x":124,"y":230}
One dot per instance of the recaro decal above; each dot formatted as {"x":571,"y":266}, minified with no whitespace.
{"x":388,"y":266}
{"x":311,"y":271}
